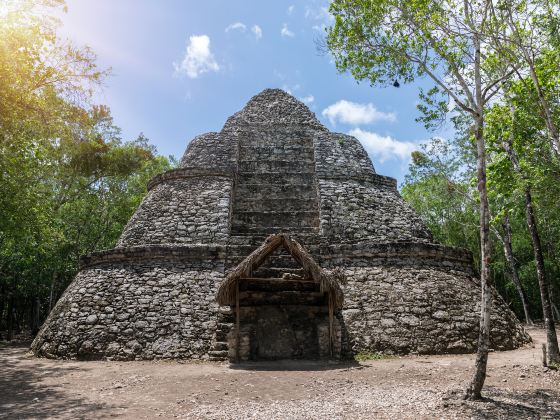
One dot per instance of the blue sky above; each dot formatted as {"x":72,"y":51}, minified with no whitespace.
{"x":180,"y":68}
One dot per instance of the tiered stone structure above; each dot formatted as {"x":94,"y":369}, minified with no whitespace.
{"x":272,"y":168}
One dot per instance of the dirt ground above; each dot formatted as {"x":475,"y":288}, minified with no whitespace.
{"x":416,"y":387}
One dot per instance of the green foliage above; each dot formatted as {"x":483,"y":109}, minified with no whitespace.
{"x":68,"y":181}
{"x":440,"y":187}
{"x":495,"y":77}
{"x":434,"y":108}
{"x":366,"y":356}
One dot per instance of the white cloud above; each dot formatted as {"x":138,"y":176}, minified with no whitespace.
{"x":353,"y":113}
{"x":321,"y":17}
{"x":291,"y":9}
{"x":279,"y":74}
{"x":319,"y":13}
{"x":237,"y":26}
{"x":256,"y":29}
{"x":285,"y":32}
{"x":291,"y":89}
{"x":384,"y":147}
{"x":309,"y":99}
{"x":198,"y":58}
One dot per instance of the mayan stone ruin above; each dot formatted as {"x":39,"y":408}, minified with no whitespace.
{"x":275,"y":238}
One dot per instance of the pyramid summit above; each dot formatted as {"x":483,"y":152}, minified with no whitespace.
{"x":275,"y":106}
{"x":274,"y":238}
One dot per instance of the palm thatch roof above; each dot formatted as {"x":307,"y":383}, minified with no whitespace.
{"x":328,"y":282}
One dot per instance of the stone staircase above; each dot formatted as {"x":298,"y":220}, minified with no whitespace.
{"x":276,"y":187}
{"x":226,"y":321}
{"x":278,"y":291}
{"x":275,"y":191}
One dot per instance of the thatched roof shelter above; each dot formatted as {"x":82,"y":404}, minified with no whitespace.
{"x":328,"y":283}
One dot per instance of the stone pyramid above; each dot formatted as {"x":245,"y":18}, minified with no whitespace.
{"x":273,"y":168}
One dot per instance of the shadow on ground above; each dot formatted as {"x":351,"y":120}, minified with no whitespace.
{"x":23,"y":393}
{"x":506,"y":404}
{"x":297,"y":365}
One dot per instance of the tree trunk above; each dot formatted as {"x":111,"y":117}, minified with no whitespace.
{"x":2,"y":305}
{"x":10,"y":316}
{"x":52,"y":292}
{"x":508,"y":252}
{"x":545,"y":109}
{"x":36,"y":316}
{"x":555,"y":311}
{"x":551,"y":338}
{"x":477,"y":382}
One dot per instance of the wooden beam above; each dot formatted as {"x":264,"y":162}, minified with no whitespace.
{"x":237,"y":331}
{"x":331,"y":316}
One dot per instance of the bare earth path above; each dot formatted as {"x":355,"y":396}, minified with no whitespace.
{"x":410,"y":387}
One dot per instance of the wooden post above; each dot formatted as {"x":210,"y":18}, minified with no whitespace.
{"x":237,"y":331}
{"x":331,"y":332}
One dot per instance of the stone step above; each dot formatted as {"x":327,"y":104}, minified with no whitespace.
{"x":256,"y":298}
{"x":226,"y":325}
{"x":278,"y":261}
{"x":276,"y":178}
{"x":278,"y":272}
{"x":251,"y":229}
{"x":276,"y":165}
{"x":271,"y":284}
{"x":261,"y":206}
{"x":220,"y":346}
{"x":223,"y":329}
{"x":241,"y":252}
{"x":218,"y":355}
{"x":282,"y":264}
{"x":275,"y":256}
{"x":295,"y":202}
{"x":259,"y":191}
{"x":276,"y":218}
{"x":307,"y":238}
{"x":282,"y":147}
{"x":222,"y":335}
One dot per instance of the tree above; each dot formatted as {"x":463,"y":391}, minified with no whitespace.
{"x":439,"y":187}
{"x":506,"y":240}
{"x":517,"y":131}
{"x":529,"y":34}
{"x":386,"y":40}
{"x":68,"y":181}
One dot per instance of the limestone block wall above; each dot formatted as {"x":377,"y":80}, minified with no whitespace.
{"x":185,"y":210}
{"x":354,"y":210}
{"x":273,"y":106}
{"x":135,"y":310}
{"x":210,"y":150}
{"x":340,"y":156}
{"x":420,"y":309}
{"x":415,"y":298}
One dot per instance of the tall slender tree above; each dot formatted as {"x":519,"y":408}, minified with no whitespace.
{"x":508,"y":144}
{"x":506,"y":239}
{"x":386,"y":40}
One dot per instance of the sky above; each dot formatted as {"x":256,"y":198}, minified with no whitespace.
{"x":180,"y":68}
